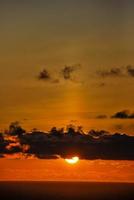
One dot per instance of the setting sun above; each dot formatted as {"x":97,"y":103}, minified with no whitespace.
{"x":72,"y":160}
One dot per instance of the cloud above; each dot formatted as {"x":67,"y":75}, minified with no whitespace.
{"x":68,"y":72}
{"x":113,"y":72}
{"x":19,"y":156}
{"x":125,"y":114}
{"x":130,"y":70}
{"x":44,"y":75}
{"x":117,"y":72}
{"x":59,"y":143}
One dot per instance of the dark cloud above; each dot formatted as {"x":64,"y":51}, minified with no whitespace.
{"x":117,"y":72}
{"x":44,"y":75}
{"x":16,"y":128}
{"x":130,"y":70}
{"x":113,"y":72}
{"x":59,"y":143}
{"x":125,"y":114}
{"x":68,"y":72}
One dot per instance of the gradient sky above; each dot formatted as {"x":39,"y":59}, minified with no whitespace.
{"x":36,"y":35}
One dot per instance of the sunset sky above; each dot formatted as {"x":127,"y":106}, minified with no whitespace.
{"x":59,"y":170}
{"x":67,"y":62}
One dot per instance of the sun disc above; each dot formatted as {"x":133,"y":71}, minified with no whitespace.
{"x":72,"y":160}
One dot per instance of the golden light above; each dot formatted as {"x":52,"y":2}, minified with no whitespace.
{"x":72,"y":160}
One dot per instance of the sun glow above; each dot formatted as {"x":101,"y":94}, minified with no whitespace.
{"x":72,"y":160}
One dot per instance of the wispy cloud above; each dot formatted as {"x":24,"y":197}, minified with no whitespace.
{"x":113,"y":72}
{"x":117,"y":72}
{"x":68,"y":72}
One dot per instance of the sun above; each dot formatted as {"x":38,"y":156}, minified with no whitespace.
{"x":72,"y":160}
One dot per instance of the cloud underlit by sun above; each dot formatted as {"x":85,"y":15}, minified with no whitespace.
{"x":72,"y":160}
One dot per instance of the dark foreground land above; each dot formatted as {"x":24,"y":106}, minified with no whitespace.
{"x":66,"y":190}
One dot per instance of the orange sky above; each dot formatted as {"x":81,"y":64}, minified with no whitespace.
{"x":88,"y":36}
{"x":43,"y":35}
{"x":59,"y":170}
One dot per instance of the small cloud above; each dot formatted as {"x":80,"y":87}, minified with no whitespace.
{"x":67,"y":74}
{"x":113,"y":72}
{"x":44,"y":75}
{"x":125,"y":114}
{"x":68,"y":71}
{"x":130,"y":70}
{"x":117,"y":72}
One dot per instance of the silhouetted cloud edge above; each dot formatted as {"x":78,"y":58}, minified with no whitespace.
{"x":18,"y":143}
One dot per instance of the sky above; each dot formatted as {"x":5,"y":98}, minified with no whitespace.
{"x":59,"y":170}
{"x":65,"y":62}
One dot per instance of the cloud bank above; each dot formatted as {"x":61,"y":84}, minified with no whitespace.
{"x":59,"y":143}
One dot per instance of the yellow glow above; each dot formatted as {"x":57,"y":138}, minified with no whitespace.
{"x":72,"y":160}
